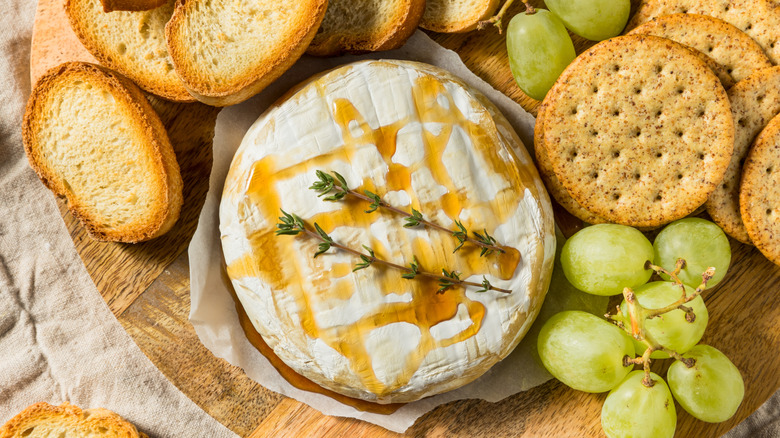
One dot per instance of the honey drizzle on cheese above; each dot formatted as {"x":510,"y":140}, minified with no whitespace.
{"x":278,"y":262}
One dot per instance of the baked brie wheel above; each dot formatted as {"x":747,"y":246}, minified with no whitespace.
{"x":419,"y":138}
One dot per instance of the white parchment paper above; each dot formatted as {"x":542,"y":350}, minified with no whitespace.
{"x":213,"y":311}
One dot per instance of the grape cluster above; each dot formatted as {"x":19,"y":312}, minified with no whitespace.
{"x":539,"y":47}
{"x":656,"y":320}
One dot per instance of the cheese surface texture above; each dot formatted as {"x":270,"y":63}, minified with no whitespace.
{"x":419,"y":138}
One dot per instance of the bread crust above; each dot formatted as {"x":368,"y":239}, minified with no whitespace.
{"x":150,"y":79}
{"x":401,"y":26}
{"x":71,"y":417}
{"x":464,"y":23}
{"x":155,"y":140}
{"x":252,"y":80}
{"x":131,"y":5}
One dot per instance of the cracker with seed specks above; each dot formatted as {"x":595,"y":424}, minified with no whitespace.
{"x":728,"y":46}
{"x":551,"y":181}
{"x":759,"y":195}
{"x":760,"y":19}
{"x":754,"y":102}
{"x":638,"y":130}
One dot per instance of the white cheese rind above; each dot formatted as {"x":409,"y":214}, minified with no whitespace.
{"x":302,"y":127}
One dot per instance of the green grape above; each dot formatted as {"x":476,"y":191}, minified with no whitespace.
{"x":671,"y":330}
{"x":539,"y":49}
{"x":712,"y":389}
{"x":700,"y":242}
{"x":595,"y":20}
{"x":584,"y":351}
{"x":603,"y":259}
{"x":634,"y":410}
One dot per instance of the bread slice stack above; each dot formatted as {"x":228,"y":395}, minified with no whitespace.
{"x":119,"y":174}
{"x":222,"y":52}
{"x":44,"y":420}
{"x":93,"y":138}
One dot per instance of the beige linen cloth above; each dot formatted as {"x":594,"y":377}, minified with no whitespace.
{"x":58,"y":339}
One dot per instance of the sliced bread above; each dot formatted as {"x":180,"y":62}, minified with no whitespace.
{"x":456,"y":15}
{"x":366,"y":26}
{"x":227,"y":51}
{"x":132,"y":43}
{"x":92,"y":137}
{"x":44,"y":420}
{"x":131,"y":5}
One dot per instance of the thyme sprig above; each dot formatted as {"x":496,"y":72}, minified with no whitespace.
{"x":291,"y":225}
{"x":414,"y":269}
{"x":367,"y":259}
{"x":336,"y":189}
{"x":451,"y":278}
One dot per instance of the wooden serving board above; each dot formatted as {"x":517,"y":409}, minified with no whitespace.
{"x":147,"y":288}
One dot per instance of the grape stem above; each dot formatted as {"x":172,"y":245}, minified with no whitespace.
{"x":637,"y":315}
{"x":497,"y":20}
{"x":680,"y":304}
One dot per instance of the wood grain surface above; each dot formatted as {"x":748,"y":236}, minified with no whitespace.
{"x":147,"y":288}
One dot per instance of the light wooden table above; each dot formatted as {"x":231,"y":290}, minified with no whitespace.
{"x":147,"y":288}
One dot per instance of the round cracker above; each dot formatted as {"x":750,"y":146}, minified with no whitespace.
{"x":731,"y":48}
{"x":554,"y":186}
{"x":759,"y":195}
{"x":760,"y":19}
{"x":551,"y":181}
{"x":639,"y":130}
{"x":754,"y":102}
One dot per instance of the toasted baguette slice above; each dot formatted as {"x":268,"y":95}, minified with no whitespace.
{"x":452,"y":16}
{"x":44,"y":420}
{"x":132,"y":43}
{"x":366,"y":26}
{"x":227,"y":51}
{"x":131,"y":5}
{"x":92,"y":137}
